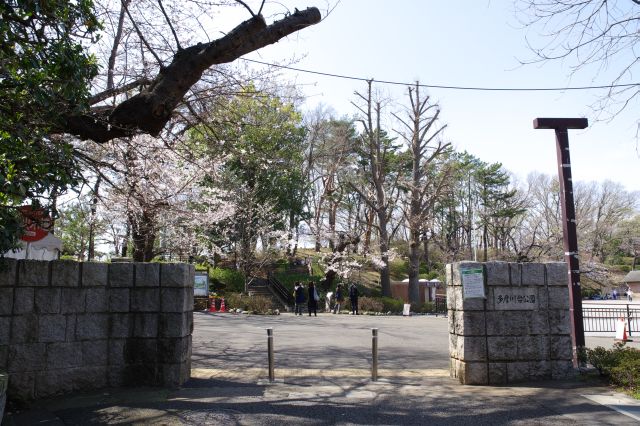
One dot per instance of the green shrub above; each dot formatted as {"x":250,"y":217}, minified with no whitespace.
{"x":226,"y":280}
{"x":392,"y":305}
{"x":398,"y":269}
{"x":620,"y":364}
{"x":68,"y":257}
{"x":588,"y":292}
{"x":253,"y":304}
{"x":259,"y":304}
{"x":627,"y":374}
{"x":423,"y":308}
{"x":369,"y":304}
{"x":602,"y":359}
{"x":234,"y":301}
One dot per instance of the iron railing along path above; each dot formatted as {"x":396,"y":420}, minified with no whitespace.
{"x":440,"y":306}
{"x":279,"y":289}
{"x":603,"y":320}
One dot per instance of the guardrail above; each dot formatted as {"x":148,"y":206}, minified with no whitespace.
{"x":280,"y":290}
{"x":603,"y":320}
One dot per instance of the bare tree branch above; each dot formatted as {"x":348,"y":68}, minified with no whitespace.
{"x":99,"y":97}
{"x":151,"y":109}
{"x":125,"y":5}
{"x":248,"y":8}
{"x":173,"y":31}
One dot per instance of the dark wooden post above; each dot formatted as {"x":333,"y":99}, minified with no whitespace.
{"x":561,"y":126}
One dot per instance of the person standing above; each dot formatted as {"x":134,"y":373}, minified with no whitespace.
{"x":339,"y":299}
{"x":312,"y":301}
{"x":328,"y":299}
{"x":353,"y":298}
{"x":298,"y":293}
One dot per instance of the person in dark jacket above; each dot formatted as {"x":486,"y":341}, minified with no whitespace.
{"x":353,"y":298}
{"x":339,"y":299}
{"x":298,"y":293}
{"x":312,"y":300}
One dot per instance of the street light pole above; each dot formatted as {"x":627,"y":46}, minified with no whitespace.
{"x":569,"y":232}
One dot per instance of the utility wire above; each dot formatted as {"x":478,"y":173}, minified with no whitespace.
{"x":439,"y":86}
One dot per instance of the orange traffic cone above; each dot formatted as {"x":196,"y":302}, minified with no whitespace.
{"x":223,"y":308}
{"x":212,"y":305}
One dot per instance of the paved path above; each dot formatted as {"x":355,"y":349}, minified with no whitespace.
{"x":327,"y":341}
{"x":324,"y":381}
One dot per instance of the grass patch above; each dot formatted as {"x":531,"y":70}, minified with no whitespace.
{"x":289,"y":277}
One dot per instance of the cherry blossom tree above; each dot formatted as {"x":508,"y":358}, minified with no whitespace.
{"x":157,"y":190}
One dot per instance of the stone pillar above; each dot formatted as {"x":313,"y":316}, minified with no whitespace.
{"x":68,"y":326}
{"x":519,"y":330}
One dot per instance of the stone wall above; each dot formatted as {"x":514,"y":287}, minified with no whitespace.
{"x":519,"y":332}
{"x":67,"y":326}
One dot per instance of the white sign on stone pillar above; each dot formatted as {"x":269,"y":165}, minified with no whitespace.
{"x":472,"y":283}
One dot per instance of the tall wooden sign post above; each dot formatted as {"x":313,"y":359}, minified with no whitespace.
{"x":561,"y":127}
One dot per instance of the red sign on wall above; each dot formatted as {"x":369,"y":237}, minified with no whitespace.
{"x":36,"y":223}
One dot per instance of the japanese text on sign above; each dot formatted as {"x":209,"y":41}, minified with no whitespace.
{"x":472,"y":283}
{"x":512,"y":298}
{"x":515,"y":299}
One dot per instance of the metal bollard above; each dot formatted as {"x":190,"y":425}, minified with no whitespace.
{"x":270,"y":353}
{"x":374,"y":354}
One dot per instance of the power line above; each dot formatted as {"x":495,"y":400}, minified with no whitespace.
{"x":439,"y":86}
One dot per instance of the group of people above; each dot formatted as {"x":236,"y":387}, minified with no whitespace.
{"x":312,"y":298}
{"x":333,"y":303}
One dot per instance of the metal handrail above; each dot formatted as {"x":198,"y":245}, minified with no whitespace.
{"x":602,"y":320}
{"x":280,"y":290}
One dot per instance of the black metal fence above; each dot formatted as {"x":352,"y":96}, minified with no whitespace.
{"x":440,"y":305}
{"x":603,"y":320}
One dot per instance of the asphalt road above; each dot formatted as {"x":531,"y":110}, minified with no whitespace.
{"x":327,"y":341}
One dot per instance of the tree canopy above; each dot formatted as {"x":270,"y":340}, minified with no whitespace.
{"x":45,"y":76}
{"x":51,"y":91}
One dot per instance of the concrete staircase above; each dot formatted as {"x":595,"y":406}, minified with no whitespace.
{"x":260,"y":287}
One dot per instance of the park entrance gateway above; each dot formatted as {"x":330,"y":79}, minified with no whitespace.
{"x":508,"y":322}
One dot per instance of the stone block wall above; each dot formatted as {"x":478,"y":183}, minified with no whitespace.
{"x":67,"y":326}
{"x":519,"y":332}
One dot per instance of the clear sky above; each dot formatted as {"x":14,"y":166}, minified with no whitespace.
{"x":463,"y":43}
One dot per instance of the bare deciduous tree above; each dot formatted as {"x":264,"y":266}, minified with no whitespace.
{"x":376,"y":152}
{"x":426,"y":183}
